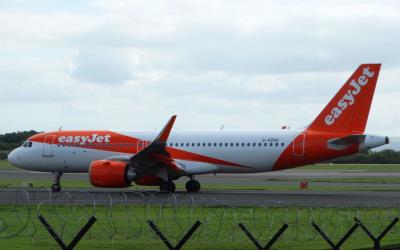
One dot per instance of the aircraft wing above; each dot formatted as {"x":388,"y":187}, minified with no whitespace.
{"x":156,"y":152}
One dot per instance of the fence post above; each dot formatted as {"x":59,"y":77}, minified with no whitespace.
{"x":270,"y":243}
{"x":181,"y":242}
{"x":76,"y":239}
{"x":341,"y":242}
{"x":377,"y":241}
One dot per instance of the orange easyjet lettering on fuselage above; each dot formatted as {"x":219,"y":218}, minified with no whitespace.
{"x":349,"y":98}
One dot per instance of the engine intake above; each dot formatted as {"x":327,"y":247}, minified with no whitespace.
{"x":105,"y":173}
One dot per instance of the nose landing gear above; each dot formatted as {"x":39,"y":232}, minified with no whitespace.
{"x":56,"y":187}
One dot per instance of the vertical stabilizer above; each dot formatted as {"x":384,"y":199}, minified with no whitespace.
{"x":348,"y":111}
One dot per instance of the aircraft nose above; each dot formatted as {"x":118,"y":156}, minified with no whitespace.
{"x":12,"y":158}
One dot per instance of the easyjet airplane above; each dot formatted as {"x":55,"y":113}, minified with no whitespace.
{"x":115,"y":159}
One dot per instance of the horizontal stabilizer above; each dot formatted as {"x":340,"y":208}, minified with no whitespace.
{"x":344,"y":142}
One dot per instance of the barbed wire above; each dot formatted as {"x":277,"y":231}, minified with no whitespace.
{"x":123,"y":216}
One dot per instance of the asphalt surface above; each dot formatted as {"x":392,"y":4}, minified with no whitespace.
{"x":204,"y":198}
{"x":305,"y":198}
{"x":225,"y":178}
{"x":281,"y":178}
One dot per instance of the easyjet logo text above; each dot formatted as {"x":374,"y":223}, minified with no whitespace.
{"x":349,"y":99}
{"x":95,"y":138}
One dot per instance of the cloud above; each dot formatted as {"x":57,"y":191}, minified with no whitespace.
{"x":102,"y":66}
{"x":131,"y":64}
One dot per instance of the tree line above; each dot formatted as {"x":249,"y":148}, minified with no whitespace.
{"x":10,"y":141}
{"x":387,"y":156}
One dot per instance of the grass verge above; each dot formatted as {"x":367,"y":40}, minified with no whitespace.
{"x":122,"y":227}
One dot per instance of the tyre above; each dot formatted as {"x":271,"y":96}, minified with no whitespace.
{"x":193,"y":186}
{"x":168,"y":187}
{"x":56,"y":188}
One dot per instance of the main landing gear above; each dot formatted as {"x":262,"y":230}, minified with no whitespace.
{"x":168,"y":186}
{"x":56,"y":187}
{"x":193,"y":186}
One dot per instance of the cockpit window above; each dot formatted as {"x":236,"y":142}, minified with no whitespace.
{"x":27,"y":144}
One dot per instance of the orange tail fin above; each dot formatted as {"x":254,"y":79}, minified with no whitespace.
{"x":348,"y":111}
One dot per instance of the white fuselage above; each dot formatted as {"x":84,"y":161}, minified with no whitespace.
{"x":197,"y":152}
{"x":258,"y":150}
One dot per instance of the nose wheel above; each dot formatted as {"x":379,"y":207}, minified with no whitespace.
{"x":193,"y":186}
{"x":56,"y":187}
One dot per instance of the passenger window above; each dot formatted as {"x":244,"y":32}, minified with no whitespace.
{"x":265,"y":144}
{"x":176,"y":144}
{"x":204,"y":144}
{"x":248,"y":144}
{"x":193,"y":144}
{"x":237,"y":144}
{"x":220,"y":144}
{"x":198,"y":144}
{"x":226,"y":144}
{"x":182,"y":144}
{"x":259,"y":144}
{"x":29,"y":144}
{"x":254,"y":144}
{"x":243,"y":144}
{"x":231,"y":144}
{"x":271,"y":144}
{"x":187,"y":144}
{"x":25,"y":144}
{"x":282,"y":144}
{"x":277,"y":144}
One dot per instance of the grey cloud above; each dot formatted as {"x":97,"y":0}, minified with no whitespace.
{"x":102,"y":66}
{"x":305,"y":45}
{"x":244,"y":64}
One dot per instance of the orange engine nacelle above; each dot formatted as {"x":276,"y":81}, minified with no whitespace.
{"x":104,"y":173}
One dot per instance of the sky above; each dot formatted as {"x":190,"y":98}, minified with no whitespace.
{"x":129,"y":65}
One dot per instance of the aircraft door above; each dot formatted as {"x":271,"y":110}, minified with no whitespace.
{"x":48,"y":146}
{"x":299,"y":144}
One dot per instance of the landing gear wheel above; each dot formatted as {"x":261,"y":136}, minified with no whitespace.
{"x":56,"y":187}
{"x":193,"y":186}
{"x":168,"y":187}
